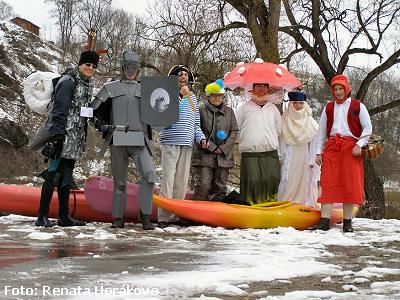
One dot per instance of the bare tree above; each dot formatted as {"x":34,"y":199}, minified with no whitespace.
{"x":119,"y":34}
{"x":97,"y":15}
{"x":65,"y":12}
{"x":197,"y":35}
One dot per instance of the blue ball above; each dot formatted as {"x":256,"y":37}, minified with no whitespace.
{"x":221,"y":135}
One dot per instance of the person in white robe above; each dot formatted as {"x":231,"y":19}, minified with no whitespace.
{"x":298,"y":147}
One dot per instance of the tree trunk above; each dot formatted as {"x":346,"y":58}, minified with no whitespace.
{"x":374,"y":195}
{"x":263,"y":23}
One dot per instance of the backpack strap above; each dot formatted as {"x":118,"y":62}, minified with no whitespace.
{"x":64,"y":78}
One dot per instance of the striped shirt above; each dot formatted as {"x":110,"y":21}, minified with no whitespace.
{"x":187,"y":129}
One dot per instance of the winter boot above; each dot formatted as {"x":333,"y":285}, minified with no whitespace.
{"x":347,"y":225}
{"x":145,"y":220}
{"x":322,"y":225}
{"x":44,"y":221}
{"x":68,"y":221}
{"x":118,"y":223}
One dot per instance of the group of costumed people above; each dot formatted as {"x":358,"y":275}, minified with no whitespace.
{"x":281,"y":156}
{"x":329,"y":152}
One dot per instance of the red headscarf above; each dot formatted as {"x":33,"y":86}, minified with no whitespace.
{"x":343,"y":81}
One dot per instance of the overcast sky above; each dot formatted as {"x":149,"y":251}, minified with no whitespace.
{"x":37,"y":11}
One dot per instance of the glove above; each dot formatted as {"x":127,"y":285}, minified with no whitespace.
{"x":53,"y":149}
{"x":104,"y":129}
{"x":99,"y":124}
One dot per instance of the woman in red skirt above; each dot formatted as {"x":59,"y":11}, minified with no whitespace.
{"x":344,"y":128}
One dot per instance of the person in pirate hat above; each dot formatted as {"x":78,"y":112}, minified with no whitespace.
{"x":344,"y":128}
{"x":298,"y":147}
{"x":177,"y":141}
{"x":211,"y":166}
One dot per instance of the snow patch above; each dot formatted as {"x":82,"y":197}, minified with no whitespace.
{"x":306,"y":295}
{"x":40,"y":235}
{"x":370,"y":272}
{"x":349,"y":287}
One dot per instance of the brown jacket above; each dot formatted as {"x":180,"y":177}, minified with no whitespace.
{"x":224,"y":119}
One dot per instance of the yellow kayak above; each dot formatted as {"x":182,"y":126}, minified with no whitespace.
{"x":266,"y":215}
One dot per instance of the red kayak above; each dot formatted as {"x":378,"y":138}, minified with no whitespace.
{"x":24,"y":200}
{"x":99,"y":193}
{"x":93,"y":204}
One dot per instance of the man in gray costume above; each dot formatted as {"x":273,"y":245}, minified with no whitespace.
{"x":117,"y":116}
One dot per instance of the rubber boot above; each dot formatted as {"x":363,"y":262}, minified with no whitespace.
{"x":347,"y":225}
{"x":145,"y":220}
{"x":44,"y":221}
{"x":322,"y":225}
{"x":68,"y":221}
{"x":118,"y":223}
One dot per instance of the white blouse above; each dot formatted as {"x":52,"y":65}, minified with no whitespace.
{"x":259,"y":127}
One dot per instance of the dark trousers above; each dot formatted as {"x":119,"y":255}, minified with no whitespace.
{"x":210,"y":183}
{"x":62,"y":179}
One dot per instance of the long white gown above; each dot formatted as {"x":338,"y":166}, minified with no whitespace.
{"x":299,"y":174}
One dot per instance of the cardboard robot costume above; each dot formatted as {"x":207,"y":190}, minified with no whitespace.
{"x":117,"y":112}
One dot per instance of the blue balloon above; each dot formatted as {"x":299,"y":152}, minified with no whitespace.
{"x":220,"y":82}
{"x":221,"y":135}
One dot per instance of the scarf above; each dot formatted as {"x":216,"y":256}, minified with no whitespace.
{"x":298,"y":127}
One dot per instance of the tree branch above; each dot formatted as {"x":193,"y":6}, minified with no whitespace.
{"x":383,"y":108}
{"x":392,"y":60}
{"x":315,"y":53}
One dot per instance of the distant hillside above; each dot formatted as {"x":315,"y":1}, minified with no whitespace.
{"x":22,"y":52}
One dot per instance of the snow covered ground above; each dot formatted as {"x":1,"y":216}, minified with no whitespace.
{"x":198,"y":262}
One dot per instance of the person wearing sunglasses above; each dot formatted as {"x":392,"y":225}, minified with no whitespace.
{"x":67,"y":122}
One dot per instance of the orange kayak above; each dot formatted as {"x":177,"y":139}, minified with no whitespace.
{"x":24,"y":200}
{"x":267,"y":215}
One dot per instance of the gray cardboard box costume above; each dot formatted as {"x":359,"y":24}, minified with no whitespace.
{"x":117,"y":109}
